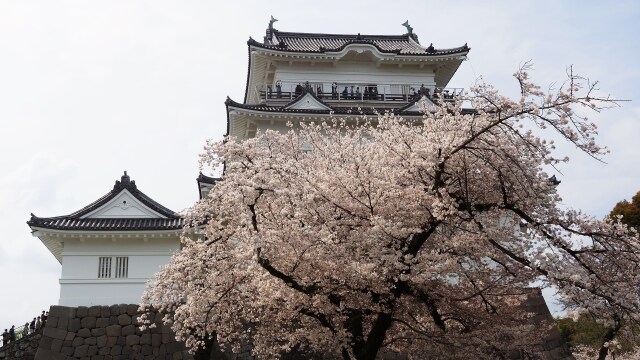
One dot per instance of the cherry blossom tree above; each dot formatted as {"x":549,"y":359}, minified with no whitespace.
{"x":371,"y":234}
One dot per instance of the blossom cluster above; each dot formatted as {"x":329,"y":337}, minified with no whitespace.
{"x":355,"y":235}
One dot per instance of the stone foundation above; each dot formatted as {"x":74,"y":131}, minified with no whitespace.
{"x":105,"y":333}
{"x":23,"y":349}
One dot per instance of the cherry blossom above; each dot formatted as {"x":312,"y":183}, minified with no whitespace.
{"x":363,"y":235}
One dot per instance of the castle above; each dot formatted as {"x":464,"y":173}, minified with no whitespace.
{"x":110,"y":248}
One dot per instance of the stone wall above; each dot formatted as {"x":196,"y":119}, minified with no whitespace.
{"x":22,"y":349}
{"x":105,"y":333}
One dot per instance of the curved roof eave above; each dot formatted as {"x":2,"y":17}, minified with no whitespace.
{"x":336,"y":54}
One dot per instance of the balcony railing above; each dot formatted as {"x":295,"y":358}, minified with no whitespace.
{"x":355,"y":92}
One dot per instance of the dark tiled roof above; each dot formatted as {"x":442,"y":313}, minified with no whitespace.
{"x":321,"y":43}
{"x":108,"y":224}
{"x":204,"y":179}
{"x":334,"y":110}
{"x":74,"y":221}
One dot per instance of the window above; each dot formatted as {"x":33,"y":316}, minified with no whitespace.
{"x":120,"y":271}
{"x":122,"y":267}
{"x":104,"y":267}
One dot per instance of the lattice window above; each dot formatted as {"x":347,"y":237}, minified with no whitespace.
{"x":122,"y":267}
{"x":104,"y":267}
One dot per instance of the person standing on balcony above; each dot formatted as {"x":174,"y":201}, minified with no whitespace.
{"x":334,"y":90}
{"x":32,"y":326}
{"x":38,"y":323}
{"x":298,"y":89}
{"x":25,"y":330}
{"x":345,"y":92}
{"x":5,"y":337}
{"x":279,"y":89}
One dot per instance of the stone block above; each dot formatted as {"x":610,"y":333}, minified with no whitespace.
{"x":116,"y":350}
{"x":77,"y":342}
{"x":63,"y":322}
{"x":74,"y":325}
{"x":113,"y":320}
{"x":146,"y":350}
{"x":93,"y":350}
{"x":89,"y":321}
{"x":102,"y":322}
{"x":112,"y":340}
{"x":122,"y":308}
{"x":174,"y":347}
{"x":67,"y":350}
{"x":97,"y":357}
{"x":167,"y":338}
{"x":156,"y":340}
{"x":101,"y":340}
{"x":95,"y":311}
{"x":62,"y":311}
{"x":114,"y":310}
{"x":70,"y":336}
{"x":104,"y":350}
{"x":52,"y":321}
{"x":114,"y":330}
{"x":132,"y":310}
{"x":132,"y":340}
{"x":84,"y":332}
{"x":98,"y":332}
{"x":82,"y":311}
{"x":121,"y":340}
{"x":56,"y":345}
{"x":81,"y":351}
{"x":145,"y":339}
{"x":124,"y":319}
{"x":45,"y":354}
{"x":90,"y":341}
{"x":128,"y":330}
{"x":45,"y":343}
{"x":55,"y":333}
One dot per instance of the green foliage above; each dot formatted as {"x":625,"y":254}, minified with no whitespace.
{"x":630,"y":211}
{"x":584,"y":331}
{"x":587,"y":332}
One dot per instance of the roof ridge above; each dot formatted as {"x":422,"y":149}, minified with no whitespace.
{"x":125,"y":183}
{"x":279,"y":33}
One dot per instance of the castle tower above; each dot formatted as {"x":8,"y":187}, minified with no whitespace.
{"x":306,"y":76}
{"x":110,"y":248}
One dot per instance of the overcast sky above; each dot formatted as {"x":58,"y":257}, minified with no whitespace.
{"x":89,"y":89}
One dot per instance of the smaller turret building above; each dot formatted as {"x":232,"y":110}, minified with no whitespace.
{"x":110,"y":248}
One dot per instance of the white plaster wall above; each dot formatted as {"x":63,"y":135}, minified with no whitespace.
{"x":79,"y":282}
{"x":85,"y":294}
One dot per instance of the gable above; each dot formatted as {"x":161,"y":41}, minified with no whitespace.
{"x":123,"y":205}
{"x":308,"y":102}
{"x":420,"y":105}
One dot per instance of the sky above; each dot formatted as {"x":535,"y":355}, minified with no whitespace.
{"x":89,"y":89}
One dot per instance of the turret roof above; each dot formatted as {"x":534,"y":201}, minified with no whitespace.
{"x":320,"y":43}
{"x":81,"y":221}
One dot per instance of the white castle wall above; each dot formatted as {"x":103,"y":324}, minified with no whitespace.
{"x":79,"y":282}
